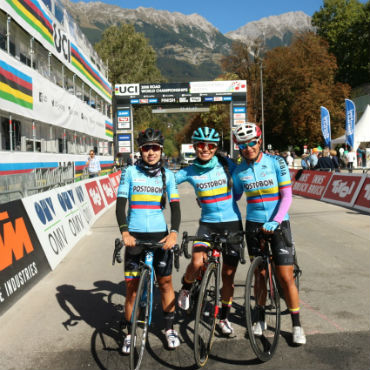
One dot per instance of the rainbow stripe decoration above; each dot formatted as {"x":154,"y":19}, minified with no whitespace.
{"x":86,"y":68}
{"x":15,"y":86}
{"x":108,"y":129}
{"x":33,"y":14}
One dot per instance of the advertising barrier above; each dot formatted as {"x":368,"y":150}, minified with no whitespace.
{"x":311,"y":184}
{"x":343,"y":189}
{"x":363,"y":200}
{"x":22,"y":260}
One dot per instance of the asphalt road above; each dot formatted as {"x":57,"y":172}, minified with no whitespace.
{"x":70,"y":320}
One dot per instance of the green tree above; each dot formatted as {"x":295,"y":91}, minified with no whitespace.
{"x":298,"y":80}
{"x":129,"y":56}
{"x":345,"y":24}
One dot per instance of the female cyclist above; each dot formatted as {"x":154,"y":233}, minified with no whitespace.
{"x":265,"y":179}
{"x":145,"y":186}
{"x":210,"y":175}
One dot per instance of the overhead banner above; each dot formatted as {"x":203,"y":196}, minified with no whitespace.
{"x":22,"y":260}
{"x":325,"y":126}
{"x":350,"y":122}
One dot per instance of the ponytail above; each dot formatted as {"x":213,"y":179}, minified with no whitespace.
{"x":225,"y":166}
{"x":164,"y":188}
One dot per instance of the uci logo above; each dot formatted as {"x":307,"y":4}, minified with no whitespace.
{"x":127,"y":89}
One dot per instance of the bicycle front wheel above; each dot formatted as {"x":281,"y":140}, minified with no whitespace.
{"x":140,"y":320}
{"x":206,"y":314}
{"x":262,"y":309}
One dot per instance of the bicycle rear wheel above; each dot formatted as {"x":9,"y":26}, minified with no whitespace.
{"x":206,"y":313}
{"x":140,"y":320}
{"x":262,"y":310}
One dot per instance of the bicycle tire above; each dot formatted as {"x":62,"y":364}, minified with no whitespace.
{"x":140,"y":322}
{"x":263,"y":345}
{"x":206,"y":314}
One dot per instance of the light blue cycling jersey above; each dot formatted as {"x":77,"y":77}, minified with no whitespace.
{"x":217,"y":202}
{"x":144,"y":195}
{"x":261,"y":182}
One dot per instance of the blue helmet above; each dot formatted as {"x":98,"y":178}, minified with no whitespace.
{"x":206,"y":134}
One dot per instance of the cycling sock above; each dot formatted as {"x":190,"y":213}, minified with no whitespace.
{"x":294,"y":314}
{"x":260,"y":313}
{"x":128,"y":326}
{"x":169,"y":317}
{"x":225,"y":309}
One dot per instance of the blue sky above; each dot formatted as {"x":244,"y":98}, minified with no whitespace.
{"x":226,"y":15}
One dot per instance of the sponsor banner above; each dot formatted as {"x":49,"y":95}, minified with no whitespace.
{"x":363,"y":199}
{"x":200,"y":87}
{"x":311,"y":184}
{"x":343,"y":189}
{"x":60,"y":218}
{"x":107,"y":190}
{"x":350,"y":122}
{"x":22,"y":260}
{"x":95,"y":196}
{"x":115,"y":179}
{"x":325,"y":125}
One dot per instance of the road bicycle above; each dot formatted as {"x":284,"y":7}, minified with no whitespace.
{"x":142,"y":311}
{"x":204,"y":294}
{"x":262,"y":299}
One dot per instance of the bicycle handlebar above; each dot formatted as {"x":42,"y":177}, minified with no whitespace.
{"x":145,"y":244}
{"x":215,"y":239}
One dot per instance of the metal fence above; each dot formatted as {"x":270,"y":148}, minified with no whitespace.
{"x":17,"y":186}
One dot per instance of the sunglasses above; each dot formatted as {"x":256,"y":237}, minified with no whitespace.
{"x":154,"y":147}
{"x":250,"y":144}
{"x":202,"y":145}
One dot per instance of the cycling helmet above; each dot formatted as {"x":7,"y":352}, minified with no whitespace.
{"x":245,"y":132}
{"x":150,"y":135}
{"x":206,"y":134}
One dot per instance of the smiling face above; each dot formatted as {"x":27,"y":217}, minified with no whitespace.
{"x":151,"y":153}
{"x":251,"y":149}
{"x":205,"y":150}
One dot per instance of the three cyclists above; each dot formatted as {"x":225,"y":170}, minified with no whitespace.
{"x":265,"y":180}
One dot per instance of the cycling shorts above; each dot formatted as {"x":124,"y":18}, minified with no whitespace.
{"x":283,"y":250}
{"x":231,"y":255}
{"x":162,"y":262}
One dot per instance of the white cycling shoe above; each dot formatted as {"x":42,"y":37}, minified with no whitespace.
{"x":225,"y":327}
{"x":298,"y":335}
{"x":258,"y":327}
{"x":127,"y":344}
{"x":172,"y":337}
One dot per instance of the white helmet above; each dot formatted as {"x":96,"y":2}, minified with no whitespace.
{"x":245,"y":132}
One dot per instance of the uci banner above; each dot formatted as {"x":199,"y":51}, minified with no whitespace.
{"x":350,"y":122}
{"x":325,"y":126}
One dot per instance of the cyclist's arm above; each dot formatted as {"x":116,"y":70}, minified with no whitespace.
{"x":121,"y":214}
{"x":237,"y":186}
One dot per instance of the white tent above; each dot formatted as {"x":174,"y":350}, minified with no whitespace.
{"x":362,"y":131}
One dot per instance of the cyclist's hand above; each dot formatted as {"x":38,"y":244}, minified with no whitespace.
{"x":270,"y":227}
{"x":128,"y":239}
{"x":169,"y":240}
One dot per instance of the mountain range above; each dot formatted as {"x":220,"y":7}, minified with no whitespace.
{"x":189,"y":48}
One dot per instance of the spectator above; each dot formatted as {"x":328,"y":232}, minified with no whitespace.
{"x":129,"y":161}
{"x":313,"y":158}
{"x":351,"y":158}
{"x":93,"y":164}
{"x":324,"y":163}
{"x":305,"y":162}
{"x":289,"y":160}
{"x":335,"y":160}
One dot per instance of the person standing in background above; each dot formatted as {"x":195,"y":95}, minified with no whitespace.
{"x":93,"y":164}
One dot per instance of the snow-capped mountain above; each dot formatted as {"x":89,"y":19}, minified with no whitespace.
{"x":188,"y":46}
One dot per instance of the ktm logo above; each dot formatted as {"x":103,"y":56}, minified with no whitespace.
{"x":14,"y":239}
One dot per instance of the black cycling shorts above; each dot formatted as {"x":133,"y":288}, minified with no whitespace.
{"x":282,"y":247}
{"x":231,"y":256}
{"x":162,"y":262}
